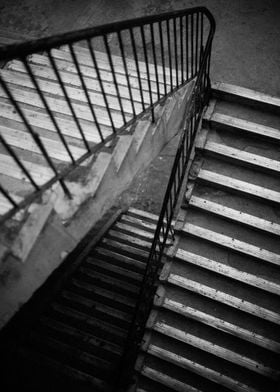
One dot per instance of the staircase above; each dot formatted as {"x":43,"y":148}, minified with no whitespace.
{"x":215,"y":320}
{"x":14,"y":131}
{"x":77,"y":341}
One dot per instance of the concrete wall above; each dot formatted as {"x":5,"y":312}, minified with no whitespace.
{"x":56,"y":226}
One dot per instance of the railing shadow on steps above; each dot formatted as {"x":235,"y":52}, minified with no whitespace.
{"x":199,"y":100}
{"x":158,"y":54}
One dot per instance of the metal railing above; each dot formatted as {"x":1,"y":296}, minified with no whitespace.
{"x":156,"y":55}
{"x":199,"y":99}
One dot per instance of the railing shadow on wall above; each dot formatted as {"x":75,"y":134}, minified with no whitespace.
{"x":157,"y":55}
{"x":199,"y":100}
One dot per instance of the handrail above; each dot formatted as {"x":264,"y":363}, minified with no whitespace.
{"x":200,"y":98}
{"x":176,"y":46}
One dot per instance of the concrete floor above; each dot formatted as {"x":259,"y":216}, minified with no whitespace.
{"x":246,"y":52}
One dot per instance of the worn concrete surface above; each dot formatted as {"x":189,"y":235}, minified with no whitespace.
{"x":246,"y":51}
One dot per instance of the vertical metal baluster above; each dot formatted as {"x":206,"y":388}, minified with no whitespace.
{"x":8,"y":197}
{"x":137,"y":66}
{"x":108,"y":51}
{"x":169,"y":53}
{"x":196,"y":42}
{"x":147,"y":69}
{"x":100,"y":81}
{"x":176,"y":53}
{"x":68,"y":100}
{"x":43,"y":99}
{"x":18,"y":161}
{"x":181,"y":49}
{"x":192,"y":54}
{"x":155,"y":58}
{"x":162,"y":57}
{"x":187,"y":45}
{"x":77,"y":65}
{"x":126,"y":73}
{"x":201,"y":36}
{"x":33,"y":133}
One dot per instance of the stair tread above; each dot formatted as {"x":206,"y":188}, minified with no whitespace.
{"x":88,"y":320}
{"x":106,"y":76}
{"x":143,"y":214}
{"x":40,"y":174}
{"x":210,"y":367}
{"x":232,"y":243}
{"x":59,"y":106}
{"x":101,"y":278}
{"x":91,"y":306}
{"x":91,"y":291}
{"x":67,"y":353}
{"x":118,"y":61}
{"x":52,"y":87}
{"x":85,"y":340}
{"x":229,"y":271}
{"x":222,"y":317}
{"x":252,"y":128}
{"x":103,"y":63}
{"x":121,"y":259}
{"x":51,"y":366}
{"x":242,"y":157}
{"x":234,"y":184}
{"x":129,"y":238}
{"x":255,"y":97}
{"x":180,"y":380}
{"x":101,"y":264}
{"x":217,"y":343}
{"x":234,"y":214}
{"x":40,"y":119}
{"x":70,"y":76}
{"x":231,"y":293}
{"x":55,"y":148}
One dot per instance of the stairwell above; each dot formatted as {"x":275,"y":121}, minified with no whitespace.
{"x":99,"y":179}
{"x":214,"y":325}
{"x":76,"y":340}
{"x":215,"y":321}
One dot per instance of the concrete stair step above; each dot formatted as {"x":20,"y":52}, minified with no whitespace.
{"x":238,"y":186}
{"x":103,"y":63}
{"x":166,"y":374}
{"x":101,"y":294}
{"x":225,"y":290}
{"x":116,"y":270}
{"x":40,"y":119}
{"x":39,"y":366}
{"x":87,"y":305}
{"x":55,"y":148}
{"x":203,"y":364}
{"x":234,"y":215}
{"x":72,"y":356}
{"x":58,"y":105}
{"x":231,"y":243}
{"x":250,"y":128}
{"x":242,"y":158}
{"x":114,"y":258}
{"x":246,"y":96}
{"x":51,"y":86}
{"x":192,"y":305}
{"x":229,"y":271}
{"x":105,"y":75}
{"x":86,"y":323}
{"x":85,"y":341}
{"x":71,"y":78}
{"x":118,"y":63}
{"x":94,"y":278}
{"x":219,"y":344}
